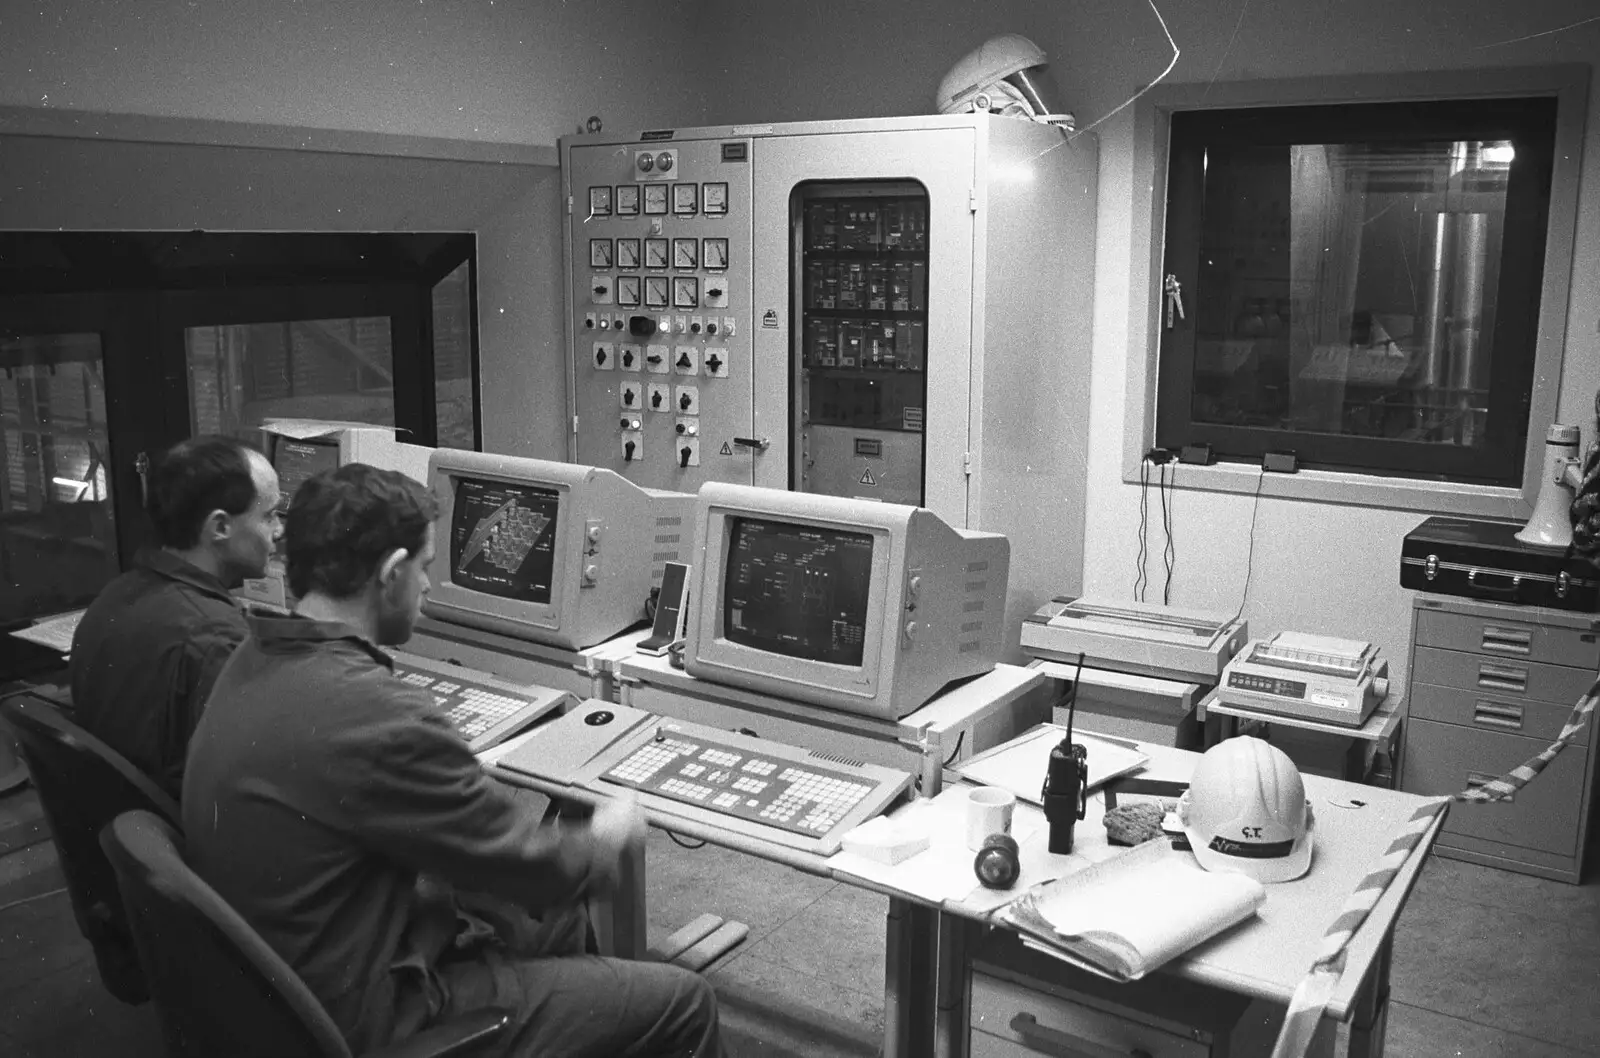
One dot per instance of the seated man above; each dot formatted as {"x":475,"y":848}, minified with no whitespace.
{"x":321,"y":790}
{"x":149,"y":647}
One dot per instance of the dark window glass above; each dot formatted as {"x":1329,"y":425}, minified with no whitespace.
{"x":1357,"y":284}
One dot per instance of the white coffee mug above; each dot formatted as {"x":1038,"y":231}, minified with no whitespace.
{"x":988,"y":812}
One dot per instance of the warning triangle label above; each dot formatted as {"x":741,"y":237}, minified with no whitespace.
{"x":727,"y":449}
{"x":867,"y":478}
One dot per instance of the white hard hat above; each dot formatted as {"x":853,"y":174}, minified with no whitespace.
{"x":1003,"y":75}
{"x":1245,"y":812}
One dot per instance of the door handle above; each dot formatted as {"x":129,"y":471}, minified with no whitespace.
{"x":141,"y":466}
{"x":1054,"y":1041}
{"x":760,"y":445}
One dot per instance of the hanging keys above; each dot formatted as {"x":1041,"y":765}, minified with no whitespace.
{"x":1174,"y":297}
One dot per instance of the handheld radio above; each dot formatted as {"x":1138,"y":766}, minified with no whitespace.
{"x":1066,"y":793}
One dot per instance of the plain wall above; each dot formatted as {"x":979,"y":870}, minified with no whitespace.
{"x":1312,"y":567}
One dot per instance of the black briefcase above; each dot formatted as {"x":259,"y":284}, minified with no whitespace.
{"x":1485,"y":560}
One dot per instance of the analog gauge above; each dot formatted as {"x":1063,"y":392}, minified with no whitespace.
{"x":685,"y":198}
{"x":628,"y":291}
{"x":599,"y":253}
{"x":627,"y":200}
{"x":655,"y":198}
{"x":714,"y":198}
{"x":714,"y":254}
{"x":655,"y":291}
{"x":686,"y":254}
{"x":655,"y":253}
{"x":600,"y":201}
{"x":627,"y":253}
{"x":686,"y":292}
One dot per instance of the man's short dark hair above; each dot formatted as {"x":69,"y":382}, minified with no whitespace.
{"x":343,"y":522}
{"x":193,"y":478}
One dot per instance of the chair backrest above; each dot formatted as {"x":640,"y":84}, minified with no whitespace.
{"x":216,"y":985}
{"x":83,"y":784}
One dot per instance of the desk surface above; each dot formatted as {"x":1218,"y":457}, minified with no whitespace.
{"x":1264,"y":957}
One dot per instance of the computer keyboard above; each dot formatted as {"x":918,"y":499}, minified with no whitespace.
{"x":792,"y":796}
{"x":485,"y":709}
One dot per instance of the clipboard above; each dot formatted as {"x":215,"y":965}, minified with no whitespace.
{"x":1019,"y":765}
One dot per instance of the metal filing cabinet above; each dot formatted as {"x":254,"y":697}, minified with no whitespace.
{"x":1491,"y":685}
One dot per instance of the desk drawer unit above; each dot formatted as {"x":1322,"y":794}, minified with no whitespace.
{"x":1490,"y":686}
{"x":1009,"y":1020}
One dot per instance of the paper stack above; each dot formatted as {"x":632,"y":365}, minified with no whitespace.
{"x":1128,"y":915}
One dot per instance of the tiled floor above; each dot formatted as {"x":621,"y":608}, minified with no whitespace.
{"x":1487,"y":963}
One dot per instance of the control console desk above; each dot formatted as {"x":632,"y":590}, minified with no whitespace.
{"x":586,"y":673}
{"x":964,"y":720}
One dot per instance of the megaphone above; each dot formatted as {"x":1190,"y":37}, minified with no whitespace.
{"x":1551,"y":524}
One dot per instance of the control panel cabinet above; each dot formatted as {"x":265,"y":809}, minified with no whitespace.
{"x":896,"y":309}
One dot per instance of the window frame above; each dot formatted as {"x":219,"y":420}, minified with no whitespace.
{"x":1151,"y":160}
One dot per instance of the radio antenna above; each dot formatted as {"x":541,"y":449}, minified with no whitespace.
{"x":1072,"y":697}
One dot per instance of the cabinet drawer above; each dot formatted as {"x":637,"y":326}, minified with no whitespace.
{"x":1501,"y":677}
{"x":1008,"y":1019}
{"x":1483,"y":711}
{"x":1508,"y":639}
{"x":1445,"y":759}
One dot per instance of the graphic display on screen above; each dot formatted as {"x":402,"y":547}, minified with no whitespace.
{"x":295,"y":461}
{"x":797,"y":590}
{"x":502,"y":539}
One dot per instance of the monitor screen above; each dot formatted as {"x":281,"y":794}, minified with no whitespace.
{"x":295,"y":461}
{"x":553,"y":553}
{"x":848,"y":604}
{"x":502,"y":538}
{"x":797,"y":590}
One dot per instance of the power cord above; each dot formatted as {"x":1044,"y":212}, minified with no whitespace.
{"x":682,"y":844}
{"x":1144,"y":520}
{"x":1250,"y":560}
{"x":1169,"y":554}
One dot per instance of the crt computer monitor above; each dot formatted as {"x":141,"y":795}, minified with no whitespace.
{"x":554,"y":553}
{"x":849,"y":604}
{"x":295,"y":460}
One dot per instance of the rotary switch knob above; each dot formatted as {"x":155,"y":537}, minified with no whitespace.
{"x":683,"y":360}
{"x":714,"y":362}
{"x":655,"y":400}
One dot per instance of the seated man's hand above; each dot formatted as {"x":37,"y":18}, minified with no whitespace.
{"x":617,"y":825}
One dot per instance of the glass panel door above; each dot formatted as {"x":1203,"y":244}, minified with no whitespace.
{"x":58,"y":539}
{"x":861,"y":347}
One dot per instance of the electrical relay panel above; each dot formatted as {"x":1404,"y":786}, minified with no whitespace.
{"x":659,"y":249}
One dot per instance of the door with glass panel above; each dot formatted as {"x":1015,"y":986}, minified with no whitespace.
{"x":65,"y":458}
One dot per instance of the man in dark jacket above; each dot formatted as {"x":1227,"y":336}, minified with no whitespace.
{"x":151,"y":644}
{"x":335,"y":807}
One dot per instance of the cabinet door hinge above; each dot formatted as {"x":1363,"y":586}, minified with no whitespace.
{"x":972,"y":200}
{"x":574,"y":426}
{"x":569,"y":205}
{"x":966,"y":463}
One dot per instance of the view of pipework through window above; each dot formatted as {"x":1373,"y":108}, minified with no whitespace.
{"x":1350,"y":288}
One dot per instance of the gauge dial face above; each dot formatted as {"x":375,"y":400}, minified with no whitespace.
{"x":685,"y":198}
{"x":600,"y":201}
{"x":686,"y":292}
{"x":599,"y":253}
{"x":655,"y":198}
{"x":628,"y":291}
{"x":714,"y":198}
{"x":627,"y":200}
{"x":655,"y":253}
{"x":655,"y":291}
{"x":627,"y":253}
{"x":714,"y":253}
{"x":686,"y":254}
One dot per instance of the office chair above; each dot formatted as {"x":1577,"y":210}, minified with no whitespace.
{"x":218,"y":988}
{"x":84,"y":784}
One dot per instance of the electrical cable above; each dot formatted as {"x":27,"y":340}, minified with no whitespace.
{"x":684,"y":844}
{"x":1144,"y":519}
{"x":952,"y":756}
{"x":1250,"y":560}
{"x":1169,"y":554}
{"x":31,"y":899}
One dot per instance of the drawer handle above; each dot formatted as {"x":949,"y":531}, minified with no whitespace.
{"x":1507,"y":640}
{"x":1502,"y":678}
{"x":1498,"y":714}
{"x":1056,"y":1042}
{"x":1476,"y":779}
